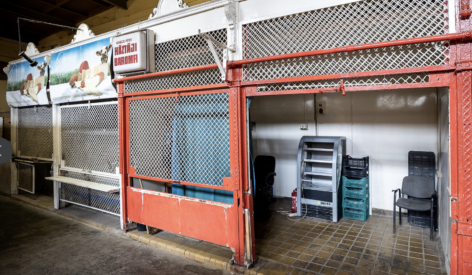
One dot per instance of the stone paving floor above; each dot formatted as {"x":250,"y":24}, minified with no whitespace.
{"x":316,"y":246}
{"x":300,"y":246}
{"x":37,"y":241}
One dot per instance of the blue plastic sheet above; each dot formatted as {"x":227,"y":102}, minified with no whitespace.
{"x":194,"y":131}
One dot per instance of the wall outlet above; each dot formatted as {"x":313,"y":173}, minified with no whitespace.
{"x":322,"y":107}
{"x":303,"y":126}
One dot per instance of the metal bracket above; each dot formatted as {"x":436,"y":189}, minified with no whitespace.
{"x":212,"y":42}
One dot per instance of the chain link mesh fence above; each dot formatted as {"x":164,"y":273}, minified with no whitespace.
{"x":89,"y":137}
{"x":361,"y":22}
{"x":183,"y":139}
{"x":35,"y":132}
{"x":103,"y":201}
{"x":182,"y":53}
{"x":25,"y":177}
{"x":350,"y":82}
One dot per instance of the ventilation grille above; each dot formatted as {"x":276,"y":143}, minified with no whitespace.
{"x":89,"y":137}
{"x":351,"y":82}
{"x":103,"y":201}
{"x":184,"y":140}
{"x":361,"y":22}
{"x":25,"y":177}
{"x":35,"y":132}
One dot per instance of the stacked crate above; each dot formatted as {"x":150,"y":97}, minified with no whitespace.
{"x":356,"y":188}
{"x":422,"y":164}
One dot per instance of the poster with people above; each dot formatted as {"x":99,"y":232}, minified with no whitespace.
{"x":82,"y":73}
{"x":26,"y":85}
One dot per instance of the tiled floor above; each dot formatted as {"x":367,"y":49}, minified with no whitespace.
{"x":346,"y":247}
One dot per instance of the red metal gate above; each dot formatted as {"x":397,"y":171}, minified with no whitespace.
{"x":143,"y":155}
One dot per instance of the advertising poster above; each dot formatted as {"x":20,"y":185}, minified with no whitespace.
{"x":82,"y":73}
{"x":26,"y":85}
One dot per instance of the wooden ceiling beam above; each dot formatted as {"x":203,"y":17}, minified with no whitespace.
{"x":58,"y":5}
{"x":53,"y":6}
{"x":99,"y":2}
{"x":97,"y":11}
{"x":119,"y":3}
{"x":13,"y":35}
{"x":29,"y":13}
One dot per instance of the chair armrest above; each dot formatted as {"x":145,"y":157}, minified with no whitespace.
{"x":395,"y":194}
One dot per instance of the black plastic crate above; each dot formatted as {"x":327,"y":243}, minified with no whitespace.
{"x":353,"y":172}
{"x":319,"y":212}
{"x":422,"y":164}
{"x":355,"y":167}
{"x":356,"y":162}
{"x":423,"y":218}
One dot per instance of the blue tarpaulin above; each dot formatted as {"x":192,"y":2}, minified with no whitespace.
{"x":200,"y":147}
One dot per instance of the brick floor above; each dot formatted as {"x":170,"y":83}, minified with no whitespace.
{"x":314,"y":246}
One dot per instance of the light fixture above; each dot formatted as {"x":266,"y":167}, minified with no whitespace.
{"x":23,"y":54}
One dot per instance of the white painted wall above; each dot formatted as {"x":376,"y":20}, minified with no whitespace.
{"x":277,"y":133}
{"x":382,"y":124}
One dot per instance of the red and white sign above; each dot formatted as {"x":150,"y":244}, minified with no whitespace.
{"x":129,"y":52}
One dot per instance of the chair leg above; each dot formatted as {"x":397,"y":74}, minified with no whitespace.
{"x":400,"y":215}
{"x":394,"y":215}
{"x":432,"y":221}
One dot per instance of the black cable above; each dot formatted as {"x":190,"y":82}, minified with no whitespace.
{"x":19,"y":35}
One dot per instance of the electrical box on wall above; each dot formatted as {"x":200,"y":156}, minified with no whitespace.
{"x":133,"y":53}
{"x":322,"y":107}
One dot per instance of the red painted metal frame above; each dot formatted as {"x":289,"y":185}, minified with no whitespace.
{"x":453,"y":37}
{"x":155,"y":205}
{"x":178,"y":71}
{"x":461,"y":149}
{"x":210,"y":221}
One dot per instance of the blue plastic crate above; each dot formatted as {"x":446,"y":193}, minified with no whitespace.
{"x":355,"y":193}
{"x":355,"y":203}
{"x":356,"y":214}
{"x":356,"y":183}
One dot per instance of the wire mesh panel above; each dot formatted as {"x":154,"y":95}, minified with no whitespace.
{"x":182,"y":53}
{"x":184,"y":139}
{"x":361,"y":22}
{"x":187,"y":52}
{"x":103,"y":201}
{"x":350,"y":82}
{"x":5,"y":178}
{"x":35,"y":132}
{"x":25,"y":177}
{"x":89,"y":137}
{"x":174,"y":81}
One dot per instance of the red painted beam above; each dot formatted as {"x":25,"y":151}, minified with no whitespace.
{"x":185,"y":70}
{"x":439,"y":68}
{"x":352,"y":48}
{"x":179,"y":90}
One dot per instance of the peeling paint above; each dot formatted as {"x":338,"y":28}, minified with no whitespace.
{"x":173,"y":196}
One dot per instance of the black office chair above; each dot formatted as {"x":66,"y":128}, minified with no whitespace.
{"x":418,"y":187}
{"x":264,"y":168}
